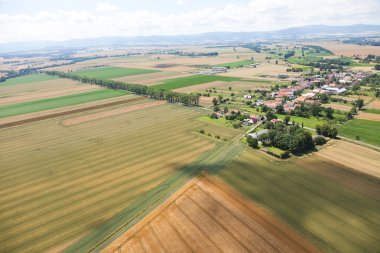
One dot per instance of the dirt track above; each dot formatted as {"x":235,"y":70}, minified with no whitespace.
{"x":208,"y":216}
{"x":53,"y":114}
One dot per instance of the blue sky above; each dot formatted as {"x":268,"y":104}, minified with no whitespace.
{"x":22,"y":20}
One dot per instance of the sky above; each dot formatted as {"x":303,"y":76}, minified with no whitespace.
{"x":34,"y":20}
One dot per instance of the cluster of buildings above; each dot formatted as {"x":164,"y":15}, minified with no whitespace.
{"x":294,"y":95}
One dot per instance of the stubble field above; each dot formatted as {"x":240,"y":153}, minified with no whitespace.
{"x":335,"y":217}
{"x":208,"y":216}
{"x":59,"y":183}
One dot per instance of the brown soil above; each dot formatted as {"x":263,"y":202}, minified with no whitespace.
{"x":374,"y":105}
{"x":345,"y":108}
{"x":48,"y":114}
{"x":206,"y":215}
{"x":110,"y":113}
{"x":350,"y":49}
{"x":368,"y":116}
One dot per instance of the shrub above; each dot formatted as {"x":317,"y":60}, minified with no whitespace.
{"x":202,"y":131}
{"x":285,"y":155}
{"x":319,"y":140}
{"x":252,"y":142}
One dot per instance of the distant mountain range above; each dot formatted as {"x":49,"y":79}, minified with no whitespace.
{"x":311,"y":31}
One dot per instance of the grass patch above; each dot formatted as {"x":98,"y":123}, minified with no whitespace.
{"x":113,"y":72}
{"x":372,"y":110}
{"x":311,"y":122}
{"x":333,"y":217}
{"x":303,"y":60}
{"x":367,"y":130}
{"x":28,"y":79}
{"x":52,"y":103}
{"x":181,"y":82}
{"x":235,"y":64}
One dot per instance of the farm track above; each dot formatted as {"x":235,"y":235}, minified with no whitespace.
{"x":112,"y":162}
{"x":203,"y":217}
{"x":59,"y":114}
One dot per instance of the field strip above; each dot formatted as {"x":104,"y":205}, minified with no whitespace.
{"x":90,"y":178}
{"x":132,"y":139}
{"x":47,"y":94}
{"x":12,"y":133}
{"x":53,"y":115}
{"x":110,"y":113}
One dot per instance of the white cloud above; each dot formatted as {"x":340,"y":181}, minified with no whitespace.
{"x":104,"y":7}
{"x":181,"y":2}
{"x":257,"y":15}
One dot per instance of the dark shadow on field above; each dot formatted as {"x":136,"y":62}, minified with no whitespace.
{"x":333,"y":217}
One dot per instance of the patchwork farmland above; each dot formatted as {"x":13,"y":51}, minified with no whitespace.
{"x":112,"y":72}
{"x":59,"y":182}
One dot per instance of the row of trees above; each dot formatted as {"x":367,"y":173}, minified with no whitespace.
{"x":170,"y":96}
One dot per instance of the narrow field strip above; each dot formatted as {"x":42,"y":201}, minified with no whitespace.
{"x":110,"y":113}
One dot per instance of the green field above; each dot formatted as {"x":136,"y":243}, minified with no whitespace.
{"x":311,"y":122}
{"x":367,"y":130}
{"x":181,"y":82}
{"x":52,"y":103}
{"x":235,"y":64}
{"x":335,"y":218}
{"x":112,"y":72}
{"x":27,"y":79}
{"x":372,"y":110}
{"x":303,"y":60}
{"x":59,"y":183}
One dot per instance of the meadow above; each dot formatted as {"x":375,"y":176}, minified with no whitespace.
{"x":57,"y":102}
{"x":332,"y":216}
{"x":181,"y":82}
{"x":235,"y":64}
{"x":61,"y":183}
{"x":366,"y":130}
{"x":112,"y":72}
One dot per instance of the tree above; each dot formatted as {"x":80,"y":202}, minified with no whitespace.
{"x":214,"y":101}
{"x":280,"y":109}
{"x":328,"y":131}
{"x":359,"y":103}
{"x":319,"y":140}
{"x":287,"y":119}
{"x":318,"y":129}
{"x":270,"y":115}
{"x":216,"y":109}
{"x":329,"y":113}
{"x":225,"y":109}
{"x":252,"y":142}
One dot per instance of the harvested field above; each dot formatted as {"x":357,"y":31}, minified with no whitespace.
{"x":374,"y":105}
{"x":336,"y":218}
{"x":25,"y":97}
{"x":206,"y":101}
{"x":208,"y":216}
{"x":110,"y":113}
{"x":368,"y":116}
{"x":152,"y":78}
{"x":182,"y":82}
{"x":236,"y":85}
{"x":345,"y":108}
{"x":264,"y":69}
{"x":48,"y":114}
{"x":360,"y":158}
{"x":350,"y":49}
{"x":58,"y":183}
{"x":113,"y":72}
{"x":29,"y":88}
